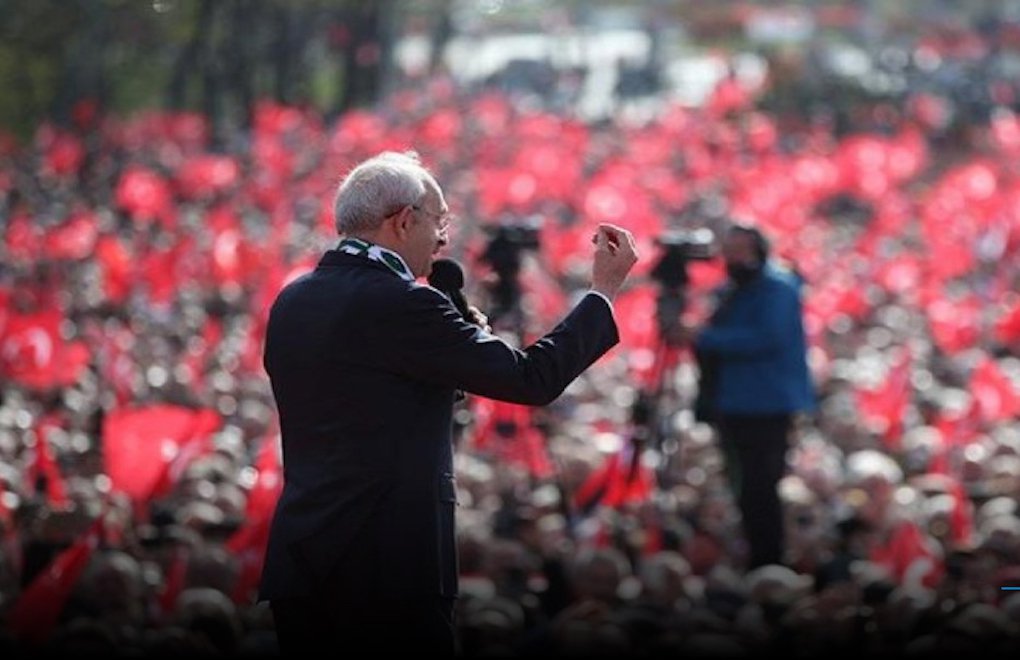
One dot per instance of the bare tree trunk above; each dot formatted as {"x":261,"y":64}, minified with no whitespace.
{"x":239,"y":56}
{"x":189,"y":58}
{"x":442,"y":31}
{"x":368,"y":58}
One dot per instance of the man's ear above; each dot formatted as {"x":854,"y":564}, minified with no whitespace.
{"x":401,"y":222}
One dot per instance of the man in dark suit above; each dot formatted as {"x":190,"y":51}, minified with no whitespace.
{"x":364,"y":361}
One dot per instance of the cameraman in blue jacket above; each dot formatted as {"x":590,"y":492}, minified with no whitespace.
{"x":755,"y":347}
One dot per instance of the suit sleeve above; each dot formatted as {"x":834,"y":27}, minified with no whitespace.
{"x":430,"y":341}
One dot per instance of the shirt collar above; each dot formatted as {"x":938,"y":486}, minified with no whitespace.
{"x":362,"y":248}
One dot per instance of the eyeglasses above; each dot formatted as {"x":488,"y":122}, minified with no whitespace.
{"x":443,"y":216}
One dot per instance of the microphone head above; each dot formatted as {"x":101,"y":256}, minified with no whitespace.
{"x":446,"y":275}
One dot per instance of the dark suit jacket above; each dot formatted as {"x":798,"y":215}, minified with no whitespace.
{"x":364,"y":367}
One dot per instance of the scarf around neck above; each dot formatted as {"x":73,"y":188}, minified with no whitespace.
{"x":372,"y":252}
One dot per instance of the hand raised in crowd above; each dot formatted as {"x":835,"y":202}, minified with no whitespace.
{"x":615,"y":255}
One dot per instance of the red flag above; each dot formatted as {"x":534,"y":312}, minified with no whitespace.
{"x":10,"y":538}
{"x":116,"y":268}
{"x":884,"y":406}
{"x":33,"y":353}
{"x":250,"y":540}
{"x":621,"y":479}
{"x":1007,"y":325}
{"x":174,"y":581}
{"x":74,"y":239}
{"x":995,"y":397}
{"x":44,"y":466}
{"x":37,"y":610}
{"x":961,"y":517}
{"x":729,"y":95}
{"x":506,"y":431}
{"x":1004,"y":128}
{"x":146,"y":449}
{"x":911,"y":556}
{"x":207,"y":175}
{"x":62,"y":153}
{"x":145,"y":196}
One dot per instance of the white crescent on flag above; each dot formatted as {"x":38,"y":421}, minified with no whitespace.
{"x":37,"y":340}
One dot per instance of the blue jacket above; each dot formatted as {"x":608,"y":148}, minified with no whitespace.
{"x":759,"y":346}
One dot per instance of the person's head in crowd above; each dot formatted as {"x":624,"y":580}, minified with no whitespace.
{"x":920,"y":445}
{"x":174,"y":641}
{"x":1003,"y":475}
{"x":903,"y":614}
{"x":773,"y":591}
{"x":212,"y":566}
{"x":666,"y":580}
{"x":871,"y":480}
{"x":937,"y":511}
{"x":491,"y":627}
{"x":834,"y":580}
{"x":725,"y":592}
{"x":86,"y":637}
{"x":392,"y":200}
{"x":776,"y":585}
{"x":806,"y":524}
{"x":978,"y":628}
{"x":597,"y":574}
{"x":1000,"y":538}
{"x":211,"y":614}
{"x":508,"y":564}
{"x":817,"y":463}
{"x":546,"y":535}
{"x":112,"y":589}
{"x":588,"y":628}
{"x":745,"y":251}
{"x":997,"y":506}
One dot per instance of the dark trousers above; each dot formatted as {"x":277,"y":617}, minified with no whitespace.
{"x":316,"y":625}
{"x":755,"y":450}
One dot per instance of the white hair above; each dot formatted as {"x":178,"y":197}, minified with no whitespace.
{"x":867,"y":463}
{"x":377,"y":188}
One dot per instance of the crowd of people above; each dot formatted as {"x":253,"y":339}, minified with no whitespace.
{"x":139,"y":456}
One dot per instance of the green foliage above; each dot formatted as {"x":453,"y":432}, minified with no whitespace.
{"x":196,"y":54}
{"x":33,"y":39}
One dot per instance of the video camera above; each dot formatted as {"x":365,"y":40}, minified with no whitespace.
{"x":507,"y":241}
{"x":522,"y":235}
{"x":678,"y":248}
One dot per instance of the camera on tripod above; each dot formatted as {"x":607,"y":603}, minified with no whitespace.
{"x":523,"y":235}
{"x":679,"y":248}
{"x":507,"y":241}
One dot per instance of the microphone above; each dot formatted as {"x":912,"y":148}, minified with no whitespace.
{"x":448,"y":276}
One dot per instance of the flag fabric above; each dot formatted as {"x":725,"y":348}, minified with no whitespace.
{"x":146,"y":449}
{"x":249,"y":542}
{"x":995,"y":397}
{"x":961,"y":516}
{"x":37,"y":610}
{"x":884,"y":407}
{"x":621,"y":479}
{"x":911,"y":556}
{"x":34,"y":354}
{"x":507,"y":432}
{"x":44,"y":469}
{"x":173,"y":581}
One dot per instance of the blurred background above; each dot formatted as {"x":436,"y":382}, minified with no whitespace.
{"x":167,"y":165}
{"x":219,"y":58}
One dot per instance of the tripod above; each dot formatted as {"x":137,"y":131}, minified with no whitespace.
{"x":655,"y":407}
